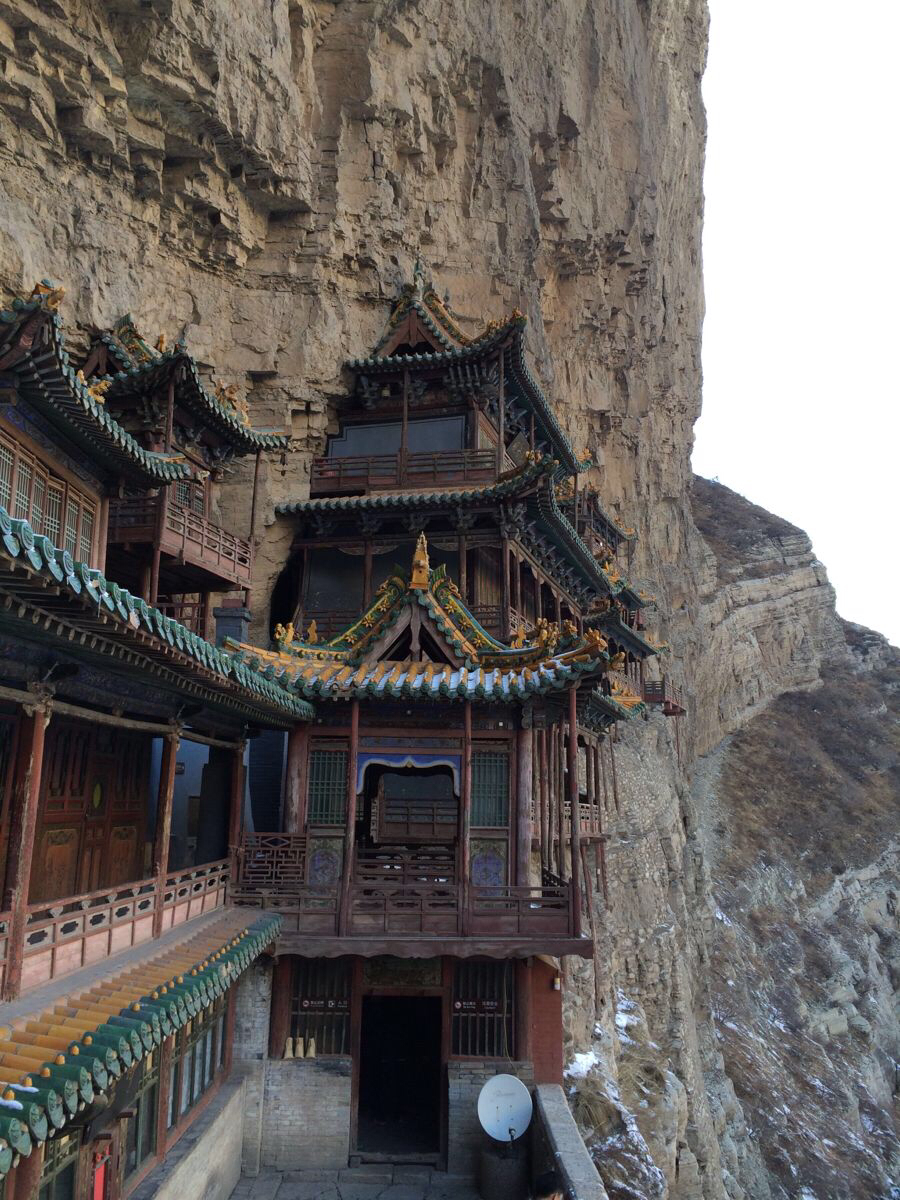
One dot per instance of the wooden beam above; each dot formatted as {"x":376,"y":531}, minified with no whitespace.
{"x":350,"y":827}
{"x":23,"y":824}
{"x":280,"y":1018}
{"x":154,"y":728}
{"x":543,"y":779}
{"x":163,"y":823}
{"x":575,"y":811}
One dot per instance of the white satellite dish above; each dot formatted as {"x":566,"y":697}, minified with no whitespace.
{"x":504,"y":1108}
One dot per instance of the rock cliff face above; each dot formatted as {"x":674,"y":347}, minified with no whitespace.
{"x":259,"y":177}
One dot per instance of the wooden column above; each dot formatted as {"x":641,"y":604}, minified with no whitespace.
{"x":367,"y":574}
{"x":102,"y":534}
{"x":236,"y":808}
{"x":501,"y":417}
{"x":164,"y":824}
{"x":525,"y":774}
{"x":293,"y":818}
{"x":505,"y":626}
{"x":517,"y":590}
{"x":465,"y":816}
{"x":23,"y":823}
{"x":350,"y":827}
{"x":543,"y":780}
{"x":463,"y":551}
{"x":615,"y":783}
{"x":404,"y":428}
{"x":161,"y":508}
{"x":561,"y":799}
{"x":576,"y":814}
{"x":280,"y":1018}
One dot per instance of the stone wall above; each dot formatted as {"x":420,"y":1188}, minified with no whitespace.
{"x":206,"y":1160}
{"x":307,"y":1114}
{"x":465,"y":1136}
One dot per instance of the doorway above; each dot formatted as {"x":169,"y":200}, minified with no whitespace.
{"x":400,"y":1075}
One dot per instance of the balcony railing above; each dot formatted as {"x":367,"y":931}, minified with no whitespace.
{"x":65,"y":935}
{"x":269,"y":861}
{"x":420,"y":909}
{"x":663,"y":693}
{"x":377,"y":472}
{"x":182,"y":533}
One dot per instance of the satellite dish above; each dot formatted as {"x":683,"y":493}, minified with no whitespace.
{"x":504,"y":1108}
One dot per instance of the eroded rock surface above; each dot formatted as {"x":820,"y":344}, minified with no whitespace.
{"x":260,"y":178}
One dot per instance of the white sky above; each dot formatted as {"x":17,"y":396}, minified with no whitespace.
{"x":801,"y":344}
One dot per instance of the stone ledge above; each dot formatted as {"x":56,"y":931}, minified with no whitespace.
{"x":564,"y":1145}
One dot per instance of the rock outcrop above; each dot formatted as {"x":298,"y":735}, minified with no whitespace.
{"x":260,"y":177}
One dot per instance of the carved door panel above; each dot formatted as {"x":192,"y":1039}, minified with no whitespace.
{"x":91,"y":857}
{"x":55,"y":870}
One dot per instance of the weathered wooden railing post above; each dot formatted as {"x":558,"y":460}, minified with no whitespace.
{"x":164,"y":823}
{"x":23,"y":824}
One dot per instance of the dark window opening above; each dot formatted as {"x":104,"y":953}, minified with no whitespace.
{"x":410,"y":805}
{"x":483,"y":1023}
{"x":320,"y":1005}
{"x":490,"y":788}
{"x":327,"y":787}
{"x":400,"y":1075}
{"x":424,"y":435}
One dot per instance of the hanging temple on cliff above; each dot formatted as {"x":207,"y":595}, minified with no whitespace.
{"x":345,"y":866}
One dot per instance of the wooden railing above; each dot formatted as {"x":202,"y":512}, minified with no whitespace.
{"x":185,"y":534}
{"x":329,"y":621}
{"x":522,"y":911}
{"x":64,"y":935}
{"x":189,"y":613}
{"x":200,"y":540}
{"x":194,"y":891}
{"x":269,"y":861}
{"x":400,"y":865}
{"x":362,"y":473}
{"x":420,"y":909}
{"x":664,"y":693}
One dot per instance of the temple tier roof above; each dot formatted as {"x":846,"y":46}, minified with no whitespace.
{"x":464,"y":662}
{"x":44,"y":1089}
{"x":75,"y":606}
{"x":33,"y":356}
{"x":551,"y":536}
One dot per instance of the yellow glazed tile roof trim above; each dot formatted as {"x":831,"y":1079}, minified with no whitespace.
{"x":54,"y":1063}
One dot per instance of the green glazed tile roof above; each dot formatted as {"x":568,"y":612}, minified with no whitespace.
{"x":403,"y":501}
{"x":48,"y":381}
{"x":144,"y":376}
{"x":527,"y":387}
{"x":89,"y":599}
{"x":92,"y":1053}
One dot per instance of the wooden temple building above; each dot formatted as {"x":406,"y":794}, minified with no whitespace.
{"x":394,"y":813}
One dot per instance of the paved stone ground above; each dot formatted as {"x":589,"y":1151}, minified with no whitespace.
{"x":356,"y":1183}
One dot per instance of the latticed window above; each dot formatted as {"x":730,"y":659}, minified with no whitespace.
{"x":140,"y":1127}
{"x":490,"y":788}
{"x":58,"y":1175}
{"x":320,"y":1004}
{"x":327,"y":794}
{"x":30,"y":492}
{"x":191,"y":496}
{"x":484,"y":1009}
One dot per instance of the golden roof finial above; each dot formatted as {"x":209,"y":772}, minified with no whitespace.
{"x":47,"y":294}
{"x":312,"y":634}
{"x":420,"y":564}
{"x":161,"y":343}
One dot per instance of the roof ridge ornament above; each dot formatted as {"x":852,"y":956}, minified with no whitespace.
{"x":421,"y":569}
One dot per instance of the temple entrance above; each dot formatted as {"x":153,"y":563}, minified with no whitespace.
{"x":400,"y":1076}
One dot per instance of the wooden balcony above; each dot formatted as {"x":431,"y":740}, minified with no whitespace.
{"x":65,"y":935}
{"x":663,"y":694}
{"x":212,"y":555}
{"x":385,"y":472}
{"x":398,"y":893}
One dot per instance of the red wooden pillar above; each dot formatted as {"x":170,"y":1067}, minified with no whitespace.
{"x":280,"y":1022}
{"x":236,"y":809}
{"x":465,"y":817}
{"x":23,"y":823}
{"x":350,"y":829}
{"x":294,"y":814}
{"x":163,"y":824}
{"x":505,"y":623}
{"x":525,"y":774}
{"x":576,"y":812}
